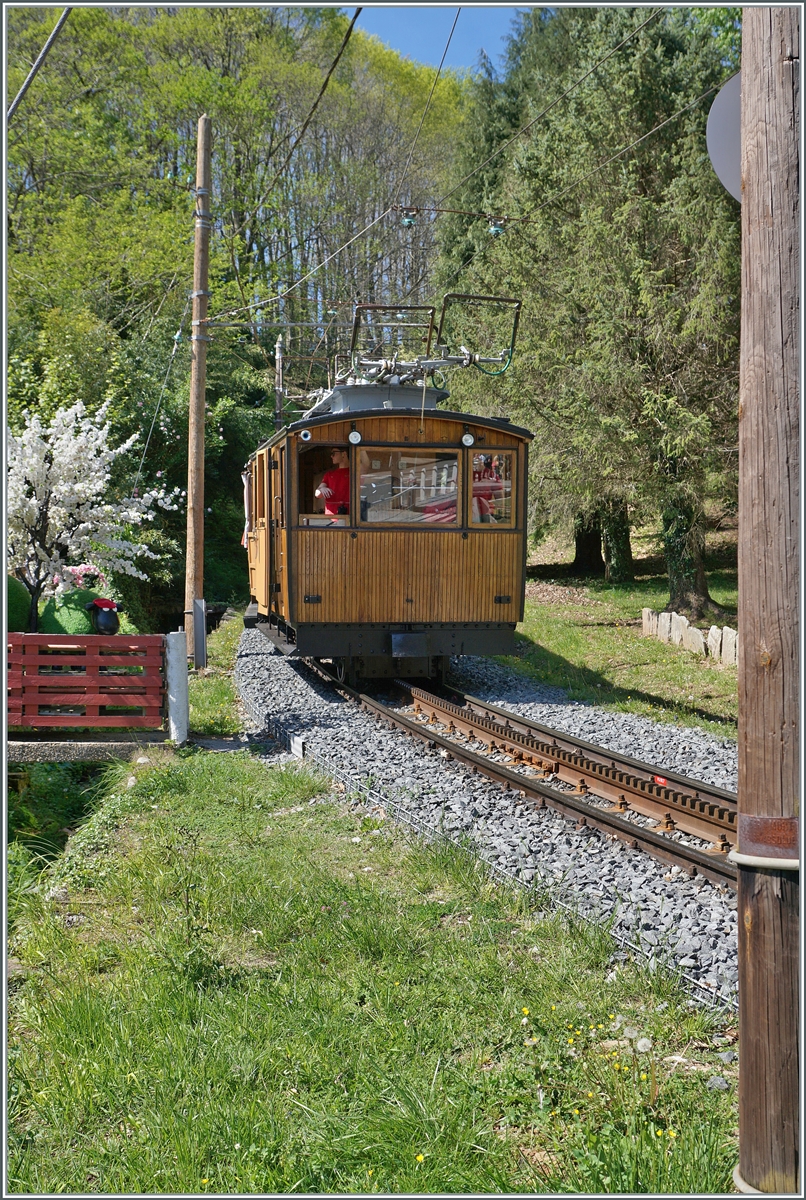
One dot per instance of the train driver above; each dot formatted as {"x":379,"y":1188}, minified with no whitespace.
{"x":335,"y":486}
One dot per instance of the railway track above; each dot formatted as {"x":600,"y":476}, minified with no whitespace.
{"x":539,"y":754}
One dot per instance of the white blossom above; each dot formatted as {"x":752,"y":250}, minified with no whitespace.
{"x":58,"y":513}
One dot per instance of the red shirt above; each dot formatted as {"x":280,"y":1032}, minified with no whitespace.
{"x":339,"y":483}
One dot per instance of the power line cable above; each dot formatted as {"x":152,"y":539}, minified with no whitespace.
{"x":283,"y":295}
{"x":553,"y":199}
{"x":397,"y":189}
{"x":305,"y":123}
{"x":174,"y":348}
{"x":43,"y":53}
{"x":549,"y":107}
{"x":599,"y":167}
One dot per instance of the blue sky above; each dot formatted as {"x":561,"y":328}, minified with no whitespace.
{"x":420,"y":31}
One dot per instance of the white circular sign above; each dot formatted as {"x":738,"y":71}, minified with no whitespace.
{"x":723,"y":136}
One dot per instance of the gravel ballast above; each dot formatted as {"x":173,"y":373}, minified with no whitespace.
{"x":656,"y":908}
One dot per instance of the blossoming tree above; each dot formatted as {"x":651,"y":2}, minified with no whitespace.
{"x":58,"y":513}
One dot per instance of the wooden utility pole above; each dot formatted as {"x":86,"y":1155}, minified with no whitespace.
{"x":769,"y":582}
{"x":278,"y":382}
{"x":194,"y":563}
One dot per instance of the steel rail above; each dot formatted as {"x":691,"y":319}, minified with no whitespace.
{"x":676,"y":802}
{"x":716,"y":868}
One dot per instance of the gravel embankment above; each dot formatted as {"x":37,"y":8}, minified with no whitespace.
{"x":660,"y":909}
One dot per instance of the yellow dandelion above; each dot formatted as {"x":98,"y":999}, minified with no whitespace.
{"x":590,"y":1095}
{"x":659,"y":1132}
{"x":612,"y":1016}
{"x":397,"y":984}
{"x":643,"y":1074}
{"x":615,"y":1054}
{"x":205,"y":1181}
{"x":591,"y":1027}
{"x":616,"y":1067}
{"x":369,"y":1172}
{"x":525,"y":1012}
{"x":420,"y":1157}
{"x":553,"y":1007}
{"x":570,"y":1041}
{"x":672,"y":1133}
{"x":600,"y":1026}
{"x":576,"y":1112}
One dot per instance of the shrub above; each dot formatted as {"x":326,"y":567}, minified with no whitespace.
{"x":19,"y":606}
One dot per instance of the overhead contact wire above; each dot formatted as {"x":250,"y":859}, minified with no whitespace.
{"x":525,"y":220}
{"x":549,"y":107}
{"x":43,"y":53}
{"x":397,"y":189}
{"x":306,"y":122}
{"x":174,"y":348}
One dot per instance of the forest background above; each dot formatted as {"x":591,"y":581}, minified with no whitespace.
{"x":628,"y":263}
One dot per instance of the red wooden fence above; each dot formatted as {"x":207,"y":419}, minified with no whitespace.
{"x":86,"y":680}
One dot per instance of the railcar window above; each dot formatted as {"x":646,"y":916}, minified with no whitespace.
{"x":323,"y":467}
{"x":493,"y":479}
{"x":411,"y":486}
{"x":259,"y":488}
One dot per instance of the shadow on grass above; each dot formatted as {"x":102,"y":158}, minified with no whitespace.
{"x":46,"y":802}
{"x":583,"y":683}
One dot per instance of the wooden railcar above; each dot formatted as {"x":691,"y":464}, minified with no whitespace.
{"x":429,"y":558}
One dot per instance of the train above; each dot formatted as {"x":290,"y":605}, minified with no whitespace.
{"x":384,"y":531}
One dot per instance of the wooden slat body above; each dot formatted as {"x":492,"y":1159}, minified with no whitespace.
{"x":412,"y":576}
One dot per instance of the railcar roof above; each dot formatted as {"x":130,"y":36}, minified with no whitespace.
{"x":502,"y":423}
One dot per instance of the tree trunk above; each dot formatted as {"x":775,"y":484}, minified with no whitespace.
{"x":684,"y":547}
{"x":616,"y":538}
{"x":588,"y":539}
{"x":33,"y":617}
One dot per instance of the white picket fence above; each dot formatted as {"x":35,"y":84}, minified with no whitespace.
{"x":720,"y":644}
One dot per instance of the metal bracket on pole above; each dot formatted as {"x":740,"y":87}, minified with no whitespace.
{"x":199,"y":634}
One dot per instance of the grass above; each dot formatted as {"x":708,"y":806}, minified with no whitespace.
{"x":214,"y":708}
{"x":46,"y":802}
{"x":585,"y":636}
{"x":237,"y":989}
{"x":248,"y":992}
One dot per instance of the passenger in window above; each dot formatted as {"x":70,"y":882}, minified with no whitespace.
{"x":335,"y":486}
{"x":483,"y":476}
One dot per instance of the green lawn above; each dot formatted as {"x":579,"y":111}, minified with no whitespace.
{"x":249,"y":993}
{"x":213,"y":699}
{"x":586,"y":637}
{"x":235,"y":990}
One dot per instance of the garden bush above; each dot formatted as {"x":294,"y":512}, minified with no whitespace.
{"x":19,"y":606}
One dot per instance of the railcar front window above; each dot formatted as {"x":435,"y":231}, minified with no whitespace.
{"x":493,"y":477}
{"x":408,"y":486}
{"x":324,"y":487}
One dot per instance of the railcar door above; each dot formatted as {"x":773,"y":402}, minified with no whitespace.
{"x":258,"y":537}
{"x":278,"y":573}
